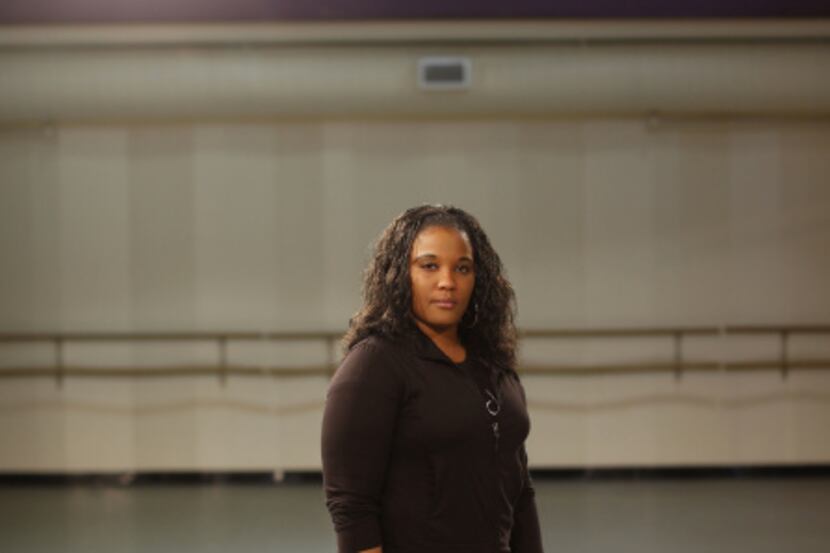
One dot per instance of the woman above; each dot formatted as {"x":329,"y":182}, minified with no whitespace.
{"x":425,"y":419}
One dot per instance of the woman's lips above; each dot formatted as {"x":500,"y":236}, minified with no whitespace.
{"x":445,"y":304}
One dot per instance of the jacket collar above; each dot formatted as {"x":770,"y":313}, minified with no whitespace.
{"x":425,"y":348}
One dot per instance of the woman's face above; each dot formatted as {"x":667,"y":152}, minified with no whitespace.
{"x":442,"y":275}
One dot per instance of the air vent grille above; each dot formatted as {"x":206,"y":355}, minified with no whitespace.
{"x":444,"y":73}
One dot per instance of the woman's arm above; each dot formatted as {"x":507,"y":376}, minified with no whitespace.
{"x":526,"y":536}
{"x":358,"y":427}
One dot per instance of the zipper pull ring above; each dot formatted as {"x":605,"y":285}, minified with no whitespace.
{"x":492,"y":403}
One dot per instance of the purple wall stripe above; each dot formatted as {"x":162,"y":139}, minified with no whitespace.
{"x":180,"y":11}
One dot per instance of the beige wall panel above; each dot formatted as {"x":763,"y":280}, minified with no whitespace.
{"x":32,"y":425}
{"x":300,"y":413}
{"x":811,"y":390}
{"x":619,"y":224}
{"x":756,"y":241}
{"x":167,"y":420}
{"x":93,"y":226}
{"x":161,"y":191}
{"x":97,"y":421}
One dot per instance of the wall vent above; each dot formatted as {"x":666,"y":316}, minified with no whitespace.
{"x":444,"y":73}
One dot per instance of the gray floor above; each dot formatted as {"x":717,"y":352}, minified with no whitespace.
{"x":578,"y":516}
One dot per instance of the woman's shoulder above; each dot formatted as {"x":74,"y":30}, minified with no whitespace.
{"x":376,"y":345}
{"x":374,"y":356}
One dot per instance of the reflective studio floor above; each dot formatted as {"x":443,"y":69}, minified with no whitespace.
{"x":578,"y":515}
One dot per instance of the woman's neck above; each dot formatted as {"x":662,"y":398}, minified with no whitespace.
{"x":447,"y":340}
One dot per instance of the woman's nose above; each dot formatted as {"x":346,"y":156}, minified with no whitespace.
{"x":446,"y":280}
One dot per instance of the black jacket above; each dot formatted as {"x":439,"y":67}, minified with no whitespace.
{"x":411,"y":460}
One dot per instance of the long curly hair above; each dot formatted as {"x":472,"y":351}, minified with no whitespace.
{"x":488,"y":323}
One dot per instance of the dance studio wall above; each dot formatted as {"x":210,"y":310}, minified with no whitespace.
{"x":267,"y":227}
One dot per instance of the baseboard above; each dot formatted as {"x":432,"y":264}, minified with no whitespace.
{"x":259,"y":478}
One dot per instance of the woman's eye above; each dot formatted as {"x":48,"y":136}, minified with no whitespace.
{"x":464,"y":269}
{"x":429,"y":266}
